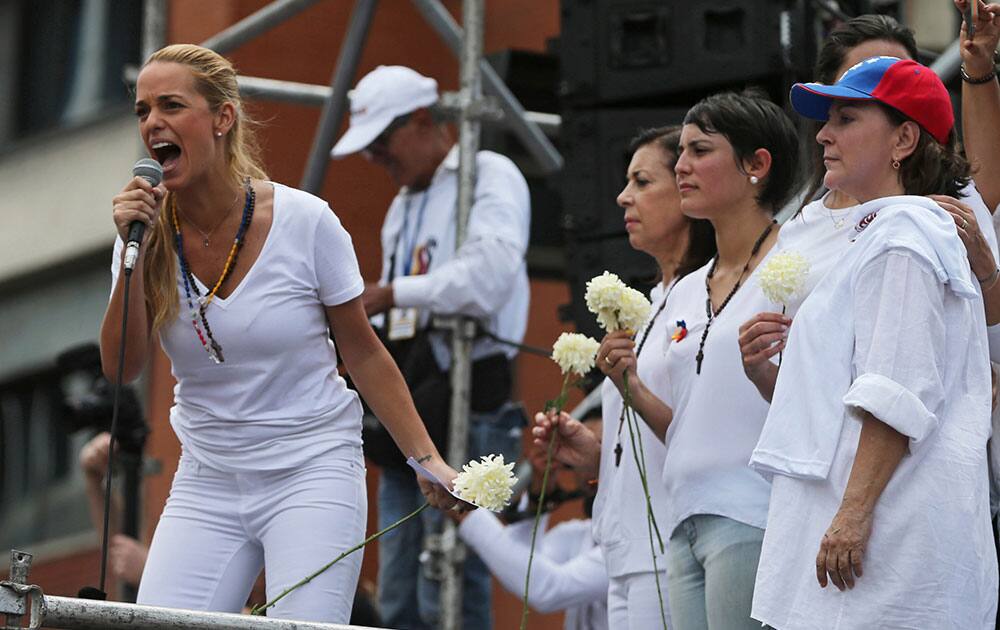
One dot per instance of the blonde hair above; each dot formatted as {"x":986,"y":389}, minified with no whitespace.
{"x":215,"y":79}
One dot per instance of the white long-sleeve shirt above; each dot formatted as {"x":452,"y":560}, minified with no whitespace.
{"x":897,"y":330}
{"x":487,"y":277}
{"x":567,"y":572}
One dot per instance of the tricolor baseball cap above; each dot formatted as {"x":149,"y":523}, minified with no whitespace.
{"x":903,"y":84}
{"x":380,"y":96}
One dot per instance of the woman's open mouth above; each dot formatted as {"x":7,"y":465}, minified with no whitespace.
{"x":167,"y":154}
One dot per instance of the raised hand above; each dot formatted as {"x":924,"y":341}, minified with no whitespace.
{"x":977,"y":53}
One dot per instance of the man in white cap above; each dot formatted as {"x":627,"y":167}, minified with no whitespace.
{"x":395,"y":124}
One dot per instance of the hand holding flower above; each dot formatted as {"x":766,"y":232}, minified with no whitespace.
{"x":616,"y":356}
{"x":783,"y":280}
{"x":577,"y":446}
{"x":622,"y":312}
{"x":762,"y":337}
{"x":436,"y":495}
{"x":575,"y":354}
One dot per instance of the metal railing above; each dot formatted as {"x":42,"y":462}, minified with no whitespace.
{"x":21,"y":602}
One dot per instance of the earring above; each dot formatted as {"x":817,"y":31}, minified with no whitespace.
{"x":895,"y":164}
{"x":218,"y":134}
{"x":754,"y":180}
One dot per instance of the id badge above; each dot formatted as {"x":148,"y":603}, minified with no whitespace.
{"x":402,"y":323}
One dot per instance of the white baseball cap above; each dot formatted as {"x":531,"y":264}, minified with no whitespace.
{"x":380,"y":96}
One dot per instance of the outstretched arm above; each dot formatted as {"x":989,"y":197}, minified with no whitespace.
{"x":561,"y":578}
{"x":378,"y":380}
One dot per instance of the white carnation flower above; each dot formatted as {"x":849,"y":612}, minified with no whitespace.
{"x":784,"y":276}
{"x":487,"y":483}
{"x":617,"y":306}
{"x":575,"y":353}
{"x":634,"y":310}
{"x":603,"y":292}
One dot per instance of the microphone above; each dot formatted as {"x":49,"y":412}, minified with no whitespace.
{"x":151,"y":171}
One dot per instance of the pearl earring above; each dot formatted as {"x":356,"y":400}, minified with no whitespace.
{"x":218,"y":134}
{"x":754,"y":180}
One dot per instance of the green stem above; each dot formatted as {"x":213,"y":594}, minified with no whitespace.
{"x":640,"y":460}
{"x":639,"y":454}
{"x":259,"y":610}
{"x":560,"y":403}
{"x":781,"y":352}
{"x":645,"y":478}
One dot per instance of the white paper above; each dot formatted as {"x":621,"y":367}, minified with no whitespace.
{"x":429,"y":476}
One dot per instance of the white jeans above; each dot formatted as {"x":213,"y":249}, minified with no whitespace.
{"x":219,"y":529}
{"x":633,"y":603}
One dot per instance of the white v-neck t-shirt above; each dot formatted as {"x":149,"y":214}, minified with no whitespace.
{"x":277,"y":401}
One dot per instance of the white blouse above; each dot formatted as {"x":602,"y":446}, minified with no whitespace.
{"x":897,"y":330}
{"x":718,"y":414}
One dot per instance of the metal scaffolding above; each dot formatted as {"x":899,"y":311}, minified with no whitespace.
{"x":18,"y":599}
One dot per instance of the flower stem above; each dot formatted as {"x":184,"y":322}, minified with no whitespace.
{"x":640,"y":460}
{"x":781,"y":352}
{"x":560,"y":402}
{"x":259,"y":610}
{"x":639,"y":454}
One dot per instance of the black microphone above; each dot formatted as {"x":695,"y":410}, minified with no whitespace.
{"x":151,"y":171}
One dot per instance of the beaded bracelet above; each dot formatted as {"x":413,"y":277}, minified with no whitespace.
{"x":989,"y":76}
{"x":988,"y":283}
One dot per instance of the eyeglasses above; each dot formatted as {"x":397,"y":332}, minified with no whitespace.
{"x":382,"y":140}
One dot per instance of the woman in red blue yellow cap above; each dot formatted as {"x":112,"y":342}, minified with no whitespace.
{"x":879,"y":513}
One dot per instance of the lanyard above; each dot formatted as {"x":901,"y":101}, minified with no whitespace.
{"x":412,"y":241}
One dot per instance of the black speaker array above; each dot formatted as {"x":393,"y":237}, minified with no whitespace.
{"x":621,"y":51}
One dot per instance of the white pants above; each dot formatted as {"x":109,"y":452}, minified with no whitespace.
{"x":219,"y":529}
{"x":633,"y":603}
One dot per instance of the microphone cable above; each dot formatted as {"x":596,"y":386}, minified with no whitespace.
{"x":89,"y":592}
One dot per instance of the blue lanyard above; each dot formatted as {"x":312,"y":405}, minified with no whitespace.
{"x":412,"y":241}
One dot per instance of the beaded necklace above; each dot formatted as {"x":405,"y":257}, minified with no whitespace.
{"x":638,"y":351}
{"x":190,"y":286}
{"x":708,"y":289}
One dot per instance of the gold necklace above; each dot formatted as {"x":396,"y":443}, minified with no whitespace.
{"x":207,"y":236}
{"x":838,"y":221}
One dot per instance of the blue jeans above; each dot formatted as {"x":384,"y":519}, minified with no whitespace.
{"x":711,"y":569}
{"x":409,"y":600}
